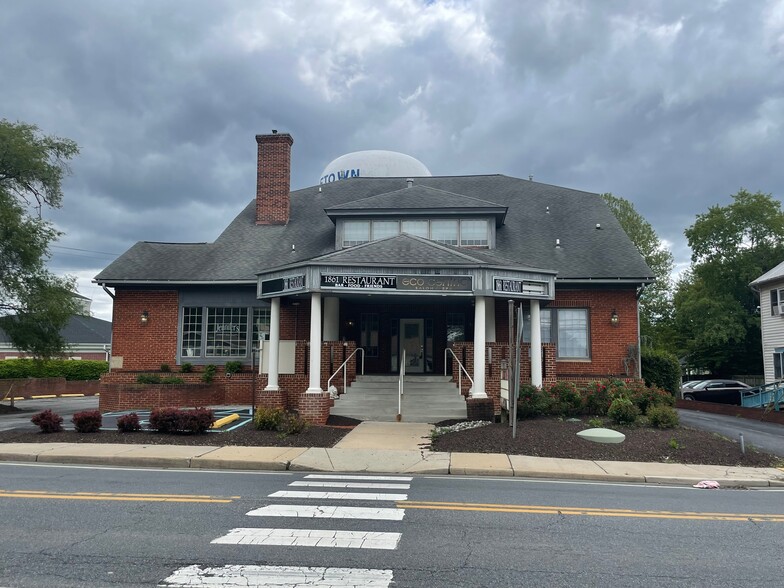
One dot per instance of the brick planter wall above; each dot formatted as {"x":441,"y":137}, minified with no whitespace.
{"x":314,"y":408}
{"x":271,"y":399}
{"x":146,"y":396}
{"x":480,"y":409}
{"x":27,"y":387}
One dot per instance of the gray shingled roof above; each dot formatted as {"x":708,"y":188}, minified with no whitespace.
{"x":410,"y":250}
{"x":80,"y":329}
{"x":538,"y":214}
{"x":776,"y":273}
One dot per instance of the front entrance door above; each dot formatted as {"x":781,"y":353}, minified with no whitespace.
{"x":412,"y":340}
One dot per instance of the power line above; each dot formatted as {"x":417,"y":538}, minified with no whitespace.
{"x":85,"y":250}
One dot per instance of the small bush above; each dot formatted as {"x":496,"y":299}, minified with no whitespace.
{"x":209,"y":373}
{"x":197,"y":420}
{"x":87,"y":421}
{"x":268,"y":419}
{"x":596,"y":398}
{"x":186,"y":368}
{"x":645,"y":397}
{"x":663,"y":417}
{"x":595,"y":423}
{"x":292,"y":424}
{"x":532,"y":402}
{"x":148,"y":379}
{"x":165,"y":367}
{"x":566,"y":399}
{"x":48,"y":421}
{"x":129,"y":423}
{"x":172,"y":380}
{"x":172,"y":420}
{"x":623,"y":411}
{"x":661,"y":368}
{"x":232,"y":367}
{"x":164,"y":420}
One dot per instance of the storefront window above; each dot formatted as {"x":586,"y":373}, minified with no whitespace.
{"x":455,"y":327}
{"x":369,"y":334}
{"x":191,"y":331}
{"x":227,"y":332}
{"x":261,"y":324}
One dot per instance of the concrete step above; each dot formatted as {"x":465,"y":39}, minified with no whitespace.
{"x":408,"y":378}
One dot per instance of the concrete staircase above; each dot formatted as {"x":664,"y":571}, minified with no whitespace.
{"x":427,"y":399}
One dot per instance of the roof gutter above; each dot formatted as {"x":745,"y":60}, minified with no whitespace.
{"x":105,"y":289}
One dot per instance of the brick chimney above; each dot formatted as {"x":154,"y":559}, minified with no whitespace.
{"x":273,"y":180}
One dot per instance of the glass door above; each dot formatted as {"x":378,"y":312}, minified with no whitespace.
{"x":412,"y":340}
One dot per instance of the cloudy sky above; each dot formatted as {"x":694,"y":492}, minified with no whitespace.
{"x":673,"y":105}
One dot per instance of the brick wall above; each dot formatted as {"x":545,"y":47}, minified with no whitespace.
{"x":27,"y":387}
{"x":145,"y":346}
{"x":314,"y":408}
{"x":273,"y":179}
{"x":146,"y":396}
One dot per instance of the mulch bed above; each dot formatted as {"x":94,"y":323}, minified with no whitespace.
{"x":313,"y":436}
{"x":549,"y":437}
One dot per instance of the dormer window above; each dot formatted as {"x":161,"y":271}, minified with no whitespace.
{"x":466,"y":232}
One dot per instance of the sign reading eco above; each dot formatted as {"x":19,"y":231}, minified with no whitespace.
{"x":512,"y":286}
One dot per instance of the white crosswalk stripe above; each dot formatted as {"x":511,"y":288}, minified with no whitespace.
{"x":279,"y":577}
{"x":349,"y":477}
{"x":329,"y":512}
{"x":310,"y":538}
{"x":338,"y":495}
{"x":340,"y":484}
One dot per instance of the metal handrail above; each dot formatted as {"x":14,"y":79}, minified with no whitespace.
{"x":459,"y":371}
{"x":343,"y":367}
{"x":401,"y":385}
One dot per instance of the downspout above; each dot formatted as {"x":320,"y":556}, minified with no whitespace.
{"x":639,"y":340}
{"x":108,"y":353}
{"x":105,"y":289}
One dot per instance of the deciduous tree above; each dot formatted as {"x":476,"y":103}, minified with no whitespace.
{"x":35,"y":303}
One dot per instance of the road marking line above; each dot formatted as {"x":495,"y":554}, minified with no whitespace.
{"x":279,"y":576}
{"x":329,"y":512}
{"x":114,"y":497}
{"x":337,"y":484}
{"x":595,"y":512}
{"x":70,"y":395}
{"x":342,"y":477}
{"x":338,"y":495}
{"x":310,"y":538}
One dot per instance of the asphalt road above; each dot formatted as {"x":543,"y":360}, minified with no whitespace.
{"x":768,"y":437}
{"x":65,"y":407}
{"x":81,"y":526}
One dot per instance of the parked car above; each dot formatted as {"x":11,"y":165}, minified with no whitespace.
{"x":689,"y":385}
{"x":721,"y":391}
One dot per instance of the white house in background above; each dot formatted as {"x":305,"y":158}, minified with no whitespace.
{"x":770,"y":286}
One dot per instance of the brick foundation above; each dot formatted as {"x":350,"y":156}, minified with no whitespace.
{"x":480,"y":409}
{"x":314,"y":408}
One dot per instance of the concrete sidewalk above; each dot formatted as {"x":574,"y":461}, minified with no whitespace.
{"x":384,"y":448}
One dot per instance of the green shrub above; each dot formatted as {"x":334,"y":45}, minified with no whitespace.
{"x":232,"y":367}
{"x":532,"y":402}
{"x":209,"y":373}
{"x":172,"y":380}
{"x":596,"y":398}
{"x":69,"y":369}
{"x":268,"y":419}
{"x":623,"y":411}
{"x":165,"y":367}
{"x":661,"y":368}
{"x":48,"y":421}
{"x":87,"y":421}
{"x":292,"y":424}
{"x":566,"y":399}
{"x":186,"y":368}
{"x":644,"y":397}
{"x":595,"y":423}
{"x":148,"y":379}
{"x":663,"y":417}
{"x":129,"y":423}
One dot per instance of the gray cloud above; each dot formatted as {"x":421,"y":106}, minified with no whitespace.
{"x":672,"y":105}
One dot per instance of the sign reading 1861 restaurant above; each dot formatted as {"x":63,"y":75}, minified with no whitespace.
{"x":512,"y":286}
{"x":358,"y":281}
{"x":284,"y":284}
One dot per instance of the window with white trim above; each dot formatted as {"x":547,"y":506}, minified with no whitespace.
{"x":191,"y":331}
{"x":209,"y":332}
{"x":566,"y":327}
{"x":418,"y":228}
{"x":444,"y":231}
{"x":385,"y":228}
{"x":356,"y":233}
{"x":778,"y":363}
{"x":473,"y":233}
{"x":227,"y":332}
{"x":776,"y":297}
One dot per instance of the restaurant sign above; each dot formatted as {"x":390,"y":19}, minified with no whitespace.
{"x":523,"y":287}
{"x":283,"y":285}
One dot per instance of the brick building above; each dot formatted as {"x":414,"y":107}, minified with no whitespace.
{"x":397,"y":266}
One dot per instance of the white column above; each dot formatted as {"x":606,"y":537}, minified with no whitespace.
{"x":315,"y":344}
{"x":274,"y":345}
{"x":478,"y":389}
{"x":490,"y":319}
{"x":331,"y":318}
{"x":536,"y":344}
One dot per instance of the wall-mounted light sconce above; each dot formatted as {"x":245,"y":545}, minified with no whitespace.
{"x":614,"y":317}
{"x":349,"y":323}
{"x":145,"y":317}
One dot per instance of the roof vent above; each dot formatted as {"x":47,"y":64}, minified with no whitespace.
{"x":547,"y":210}
{"x":409,"y":182}
{"x":557,"y":243}
{"x":599,"y":226}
